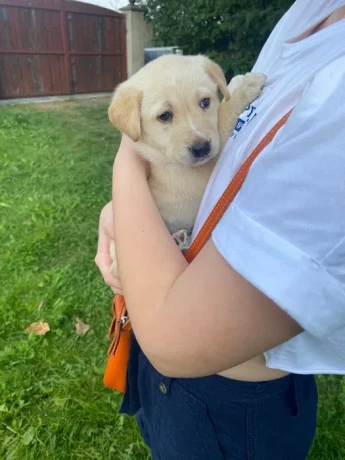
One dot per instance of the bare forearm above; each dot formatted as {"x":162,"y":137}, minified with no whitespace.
{"x":148,"y":258}
{"x":190,"y":320}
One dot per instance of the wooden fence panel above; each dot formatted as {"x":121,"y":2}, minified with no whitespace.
{"x":51,"y":47}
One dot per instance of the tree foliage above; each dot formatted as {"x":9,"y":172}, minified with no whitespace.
{"x":230,"y":32}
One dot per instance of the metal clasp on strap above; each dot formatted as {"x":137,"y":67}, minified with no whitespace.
{"x":123,"y":320}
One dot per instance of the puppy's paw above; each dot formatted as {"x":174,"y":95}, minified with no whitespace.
{"x":235,"y":83}
{"x":112,"y":250}
{"x":183,"y":239}
{"x":252,"y":85}
{"x":113,"y":268}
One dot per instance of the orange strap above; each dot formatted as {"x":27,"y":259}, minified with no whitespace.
{"x":121,"y":330}
{"x":230,"y":193}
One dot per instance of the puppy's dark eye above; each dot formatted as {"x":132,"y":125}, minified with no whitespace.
{"x":205,"y":103}
{"x":165,"y":116}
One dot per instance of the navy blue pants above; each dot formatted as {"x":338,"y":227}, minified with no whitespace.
{"x":215,"y":418}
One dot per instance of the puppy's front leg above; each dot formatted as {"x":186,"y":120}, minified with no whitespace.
{"x":183,"y":239}
{"x":245,"y":90}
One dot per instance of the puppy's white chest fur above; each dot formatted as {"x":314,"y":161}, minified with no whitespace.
{"x":178,"y":191}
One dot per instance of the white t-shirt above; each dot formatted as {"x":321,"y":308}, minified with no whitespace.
{"x":285,"y":231}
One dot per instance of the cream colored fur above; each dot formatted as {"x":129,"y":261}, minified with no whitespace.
{"x":177,"y":84}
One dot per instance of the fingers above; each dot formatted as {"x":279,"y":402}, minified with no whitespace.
{"x":104,"y":262}
{"x":117,"y":291}
{"x":103,"y":258}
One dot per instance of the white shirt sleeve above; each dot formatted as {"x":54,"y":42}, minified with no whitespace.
{"x":285,"y":231}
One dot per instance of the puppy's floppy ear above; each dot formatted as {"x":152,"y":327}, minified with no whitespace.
{"x":217,"y":75}
{"x":124,"y":111}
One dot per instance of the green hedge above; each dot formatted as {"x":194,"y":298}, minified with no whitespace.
{"x":230,"y":32}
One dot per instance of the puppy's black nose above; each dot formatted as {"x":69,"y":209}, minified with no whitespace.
{"x":200,"y":149}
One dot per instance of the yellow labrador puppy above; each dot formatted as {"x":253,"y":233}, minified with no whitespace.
{"x":172,"y":112}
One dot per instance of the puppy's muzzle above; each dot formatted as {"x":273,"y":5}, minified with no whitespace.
{"x":200,"y":150}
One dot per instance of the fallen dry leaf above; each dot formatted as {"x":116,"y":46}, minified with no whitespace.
{"x":40,"y":305}
{"x":40,"y":328}
{"x":80,"y":327}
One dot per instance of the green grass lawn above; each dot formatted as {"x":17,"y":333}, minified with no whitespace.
{"x":55,"y":176}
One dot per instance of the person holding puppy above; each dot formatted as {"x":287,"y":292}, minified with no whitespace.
{"x":230,"y":343}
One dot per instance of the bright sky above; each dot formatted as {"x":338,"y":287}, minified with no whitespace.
{"x":122,"y":3}
{"x":111,"y":4}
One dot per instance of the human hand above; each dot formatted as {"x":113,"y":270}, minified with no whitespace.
{"x":127,"y":161}
{"x":103,"y":259}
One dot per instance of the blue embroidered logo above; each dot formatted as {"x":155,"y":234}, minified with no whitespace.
{"x":239,"y":124}
{"x":246,"y":117}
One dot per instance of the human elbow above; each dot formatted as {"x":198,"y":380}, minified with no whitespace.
{"x":173,"y":368}
{"x":175,"y":363}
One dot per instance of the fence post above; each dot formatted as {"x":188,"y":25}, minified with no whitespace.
{"x":137,"y":32}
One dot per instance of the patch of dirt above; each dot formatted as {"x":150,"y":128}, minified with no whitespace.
{"x":72,"y":104}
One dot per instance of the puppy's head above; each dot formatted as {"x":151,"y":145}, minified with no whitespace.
{"x":170,"y":108}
